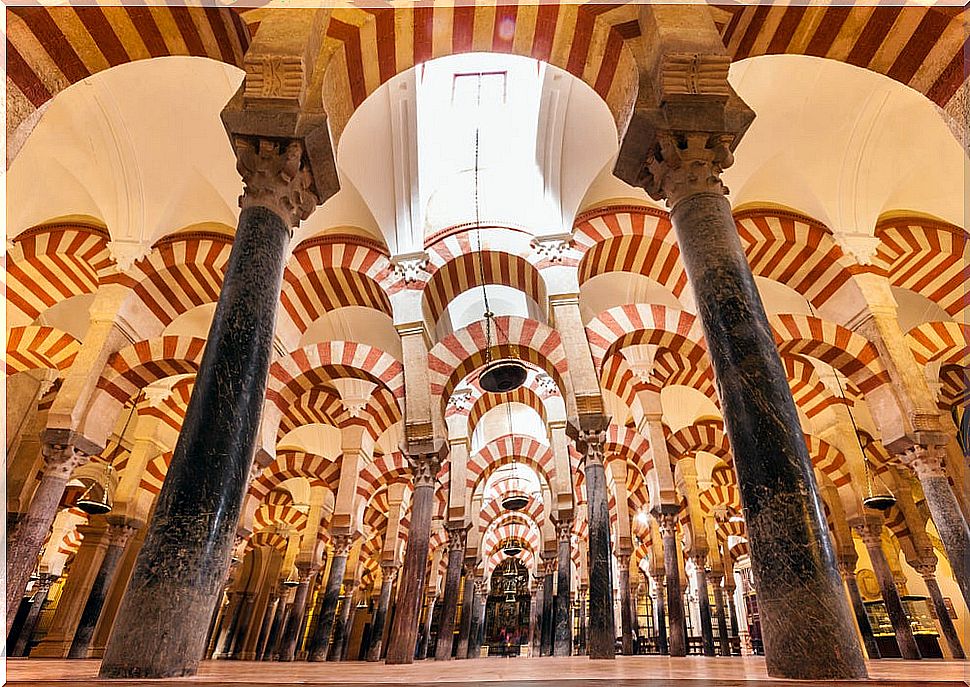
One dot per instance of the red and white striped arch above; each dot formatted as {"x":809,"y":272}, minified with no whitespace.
{"x":154,"y":476}
{"x":54,"y":262}
{"x":525,"y":395}
{"x":674,"y":367}
{"x":828,"y":460}
{"x":281,"y":516}
{"x":632,"y":239}
{"x":616,"y":377}
{"x":134,"y":367}
{"x":946,"y":342}
{"x":720,"y":496}
{"x":268,"y":539}
{"x":317,"y":470}
{"x":927,"y":257}
{"x":171,"y":411}
{"x":492,"y":510}
{"x":807,"y":390}
{"x":623,"y":443}
{"x":40,"y":348}
{"x":797,"y":251}
{"x":382,"y":471}
{"x":462,"y":352}
{"x":706,"y":435}
{"x":330,"y":272}
{"x":502,"y":451}
{"x":851,"y":354}
{"x":635,"y":324}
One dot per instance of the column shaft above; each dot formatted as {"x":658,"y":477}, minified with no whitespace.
{"x":943,"y":617}
{"x":449,"y":607}
{"x":291,"y":633}
{"x":320,"y":641}
{"x":861,"y":617}
{"x":535,"y":615}
{"x":271,"y":648}
{"x":704,"y":604}
{"x":341,"y":629}
{"x":890,"y":597}
{"x":424,"y":643}
{"x":33,"y":615}
{"x":660,"y":619}
{"x":380,"y":614}
{"x":722,"y":629}
{"x":792,"y":556}
{"x":547,"y":611}
{"x":602,"y":632}
{"x":626,"y":608}
{"x":563,"y":633}
{"x":676,"y":623}
{"x":478,"y":612}
{"x":262,"y":639}
{"x":465,"y":627}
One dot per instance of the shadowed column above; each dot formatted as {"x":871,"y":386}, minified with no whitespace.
{"x":457,"y":534}
{"x":320,"y":640}
{"x":563,"y":632}
{"x":389,"y":573}
{"x":601,"y":641}
{"x":676,"y":623}
{"x":291,"y":632}
{"x":859,"y":608}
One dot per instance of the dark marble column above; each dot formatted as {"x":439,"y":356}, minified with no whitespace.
{"x":41,"y":589}
{"x":231,"y":623}
{"x":601,"y":641}
{"x":676,"y":623}
{"x":389,"y":573}
{"x":424,"y":638}
{"x":659,"y":617}
{"x":32,"y":529}
{"x":341,"y":628}
{"x":548,"y":600}
{"x":722,"y":629}
{"x":732,"y":611}
{"x":583,"y":618}
{"x":928,"y":572}
{"x":245,"y":619}
{"x":626,"y":605}
{"x":535,"y":615}
{"x":563,"y":632}
{"x":181,"y":567}
{"x":404,"y":628}
{"x":319,"y":642}
{"x":859,"y":608}
{"x":118,"y":535}
{"x":928,"y":464}
{"x":467,"y":603}
{"x":271,"y":648}
{"x":870,"y":529}
{"x":704,"y":604}
{"x":273,"y":603}
{"x":478,"y":614}
{"x":294,"y":622}
{"x":792,"y":556}
{"x":457,"y":534}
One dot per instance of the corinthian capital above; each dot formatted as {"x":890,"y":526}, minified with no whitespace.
{"x":276,"y":176}
{"x":685,"y":164}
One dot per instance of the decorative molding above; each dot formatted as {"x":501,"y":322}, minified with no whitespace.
{"x":411,"y":267}
{"x":552,"y":247}
{"x":277,"y":79}
{"x":127,"y":253}
{"x":693,"y":74}
{"x":862,"y":247}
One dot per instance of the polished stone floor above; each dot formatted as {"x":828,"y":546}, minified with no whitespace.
{"x":636,"y":671}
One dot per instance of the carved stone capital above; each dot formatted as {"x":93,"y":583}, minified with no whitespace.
{"x":424,"y":468}
{"x":925,"y":461}
{"x":564,"y":530}
{"x":684,"y":164}
{"x":119,"y":533}
{"x":276,"y":176}
{"x":457,"y":535}
{"x":342,"y":544}
{"x":591,"y":442}
{"x":552,"y":247}
{"x":667,"y":523}
{"x":411,"y":267}
{"x":62,"y":460}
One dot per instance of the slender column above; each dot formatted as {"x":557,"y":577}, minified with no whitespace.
{"x":231,"y":623}
{"x":659,"y":617}
{"x":341,"y":627}
{"x":320,"y":641}
{"x":478,"y":611}
{"x":677,"y":626}
{"x":404,"y":628}
{"x":862,"y":618}
{"x":626,"y":607}
{"x":792,"y":556}
{"x":388,"y":574}
{"x":465,"y":627}
{"x":271,"y":647}
{"x":535,"y":615}
{"x":583,"y":617}
{"x":927,"y":463}
{"x":170,"y":598}
{"x":870,"y":529}
{"x":273,"y":604}
{"x":928,"y":572}
{"x":244,"y":620}
{"x":425,"y":635}
{"x":732,"y":610}
{"x":704,"y":604}
{"x":722,"y":629}
{"x":42,"y":587}
{"x":457,"y":534}
{"x":118,"y":535}
{"x":602,"y":633}
{"x":548,"y":572}
{"x":31,"y":530}
{"x":291,"y":633}
{"x":563,"y":635}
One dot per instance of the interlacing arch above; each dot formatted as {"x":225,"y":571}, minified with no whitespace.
{"x":461,"y":353}
{"x":810,"y":395}
{"x":40,"y":348}
{"x":828,"y":460}
{"x":946,"y":342}
{"x":928,"y":257}
{"x":705,"y":435}
{"x":383,"y":470}
{"x":53,"y":262}
{"x":278,"y":511}
{"x":628,"y":445}
{"x":503,"y":451}
{"x":182,"y":272}
{"x":334,"y":271}
{"x":290,"y":463}
{"x":636,"y":324}
{"x":639,"y":240}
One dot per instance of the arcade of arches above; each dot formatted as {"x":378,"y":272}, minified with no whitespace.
{"x":257,"y":261}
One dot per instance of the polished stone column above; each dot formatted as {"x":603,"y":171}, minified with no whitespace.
{"x":704,"y":604}
{"x":583,"y":618}
{"x":342,"y":627}
{"x":457,"y":537}
{"x":271,"y":648}
{"x":32,"y":529}
{"x":404,"y":628}
{"x":535,"y":613}
{"x":676,"y":623}
{"x":478,"y":614}
{"x":859,"y":608}
{"x":118,"y":535}
{"x":722,"y":630}
{"x":626,"y":605}
{"x":319,"y":643}
{"x":870,"y":529}
{"x":928,"y":571}
{"x":602,"y":633}
{"x":792,"y":556}
{"x":389,"y":573}
{"x":424,"y":638}
{"x":245,"y":619}
{"x":273,"y":604}
{"x":465,"y":627}
{"x":231,"y":623}
{"x":41,"y":589}
{"x":548,"y":600}
{"x":659,"y":617}
{"x":291,"y":632}
{"x":181,"y":567}
{"x":563,"y":631}
{"x":928,"y":464}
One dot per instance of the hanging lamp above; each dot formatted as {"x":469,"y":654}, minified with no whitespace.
{"x":498,"y":376}
{"x":512,"y":546}
{"x":515,"y":498}
{"x":96,"y":499}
